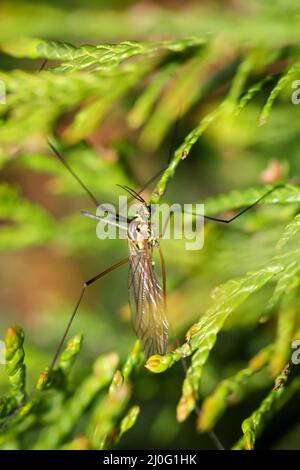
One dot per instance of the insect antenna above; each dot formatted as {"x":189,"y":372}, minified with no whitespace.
{"x":133,"y":193}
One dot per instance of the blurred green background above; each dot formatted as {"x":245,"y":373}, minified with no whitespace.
{"x":48,"y":249}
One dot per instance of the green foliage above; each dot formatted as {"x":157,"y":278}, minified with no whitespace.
{"x":15,"y":370}
{"x":29,"y":224}
{"x":286,"y":79}
{"x":252,"y":426}
{"x":231,"y":390}
{"x":103,"y":57}
{"x":107,"y":106}
{"x":56,"y":405}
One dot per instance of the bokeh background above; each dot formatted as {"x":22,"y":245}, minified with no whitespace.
{"x":48,"y":249}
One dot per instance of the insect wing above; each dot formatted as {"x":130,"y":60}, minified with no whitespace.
{"x":146,"y":301}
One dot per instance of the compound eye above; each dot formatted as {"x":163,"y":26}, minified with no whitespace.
{"x":134,"y":230}
{"x":137,"y":231}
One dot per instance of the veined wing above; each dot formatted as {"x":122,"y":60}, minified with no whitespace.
{"x":146,"y":301}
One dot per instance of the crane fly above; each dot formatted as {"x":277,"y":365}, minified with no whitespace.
{"x":147,"y":295}
{"x":147,"y":298}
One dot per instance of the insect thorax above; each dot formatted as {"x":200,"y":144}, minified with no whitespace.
{"x":140,"y":229}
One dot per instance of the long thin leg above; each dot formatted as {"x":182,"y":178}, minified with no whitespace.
{"x":167,"y":221}
{"x":86,"y":284}
{"x":217,"y":219}
{"x":213,"y":436}
{"x":107,"y":221}
{"x":85,"y":188}
{"x":236,"y":216}
{"x":164,"y":277}
{"x":80,"y":182}
{"x":70,"y":170}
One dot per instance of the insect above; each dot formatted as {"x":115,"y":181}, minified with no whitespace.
{"x":147,"y":297}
